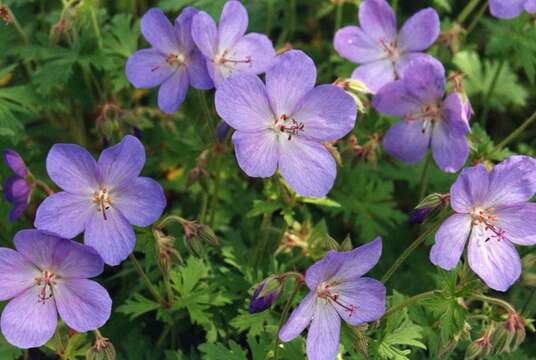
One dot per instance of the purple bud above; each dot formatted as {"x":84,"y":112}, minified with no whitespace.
{"x":418,"y":216}
{"x":15,"y":162}
{"x":17,"y":192}
{"x":265,"y":294}
{"x":222,"y":130}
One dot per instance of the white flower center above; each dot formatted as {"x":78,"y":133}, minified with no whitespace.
{"x":328,"y":292}
{"x":391,"y":50}
{"x":429,"y":115}
{"x":487,"y":221}
{"x":103,"y":200}
{"x":46,"y":281}
{"x":288,"y":126}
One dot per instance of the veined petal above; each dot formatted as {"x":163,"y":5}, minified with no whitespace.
{"x":511,"y":182}
{"x":16,"y":190}
{"x":173,"y":91}
{"x":393,"y":99}
{"x":406,"y":59}
{"x":205,"y":34}
{"x":16,"y":273}
{"x":425,"y":80}
{"x":38,"y":248}
{"x":518,"y":223}
{"x":158,"y":31}
{"x":408,"y":140}
{"x":378,"y":20}
{"x":506,"y":9}
{"x":420,"y":31}
{"x":470,"y":189}
{"x":83,"y":304}
{"x":147,"y":68}
{"x":450,"y":241}
{"x":257,"y":153}
{"x":183,"y":29}
{"x":233,"y":24}
{"x":299,"y":319}
{"x":27,"y":323}
{"x":74,"y":260}
{"x":17,"y":210}
{"x":360,"y":300}
{"x":352,"y":43}
{"x":375,"y":74}
{"x":455,"y":113}
{"x":450,"y":149}
{"x":198,"y":72}
{"x":527,"y":165}
{"x":324,"y":333}
{"x":122,"y":162}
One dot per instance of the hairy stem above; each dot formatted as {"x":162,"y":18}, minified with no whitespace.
{"x":147,"y":281}
{"x":471,"y":5}
{"x":412,"y":300}
{"x":496,"y":301}
{"x":516,"y":132}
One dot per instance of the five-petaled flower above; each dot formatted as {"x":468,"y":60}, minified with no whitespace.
{"x":337,"y":290}
{"x":17,"y":190}
{"x":428,"y":118}
{"x":173,"y":62}
{"x":508,"y":9}
{"x":384,"y":53}
{"x":227,"y":50}
{"x":47,"y":275}
{"x":284,"y":123}
{"x":493,"y":212}
{"x":103,"y":198}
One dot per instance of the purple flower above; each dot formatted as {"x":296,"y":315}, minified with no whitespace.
{"x":227,"y":50}
{"x":101,"y":198}
{"x":508,"y":9}
{"x":493,"y":213}
{"x":283,"y":124}
{"x":337,"y":291}
{"x":47,"y":275}
{"x":173,"y":62}
{"x":428,"y":117}
{"x":16,"y":189}
{"x":384,"y":53}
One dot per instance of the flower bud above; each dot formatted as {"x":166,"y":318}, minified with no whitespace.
{"x":418,"y":216}
{"x":102,"y":350}
{"x":332,"y":244}
{"x":5,"y":14}
{"x":266,"y":294}
{"x":357,"y":90}
{"x":479,"y":348}
{"x":429,"y":206}
{"x":195,"y":235}
{"x":198,"y":175}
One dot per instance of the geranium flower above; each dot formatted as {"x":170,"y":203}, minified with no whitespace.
{"x":227,"y":50}
{"x":429,"y":119}
{"x":47,"y":275}
{"x":493,"y":212}
{"x":101,"y":198}
{"x":283,"y":124}
{"x":16,"y":189}
{"x":508,"y":9}
{"x":173,"y":62}
{"x":384,"y":53}
{"x":337,"y":290}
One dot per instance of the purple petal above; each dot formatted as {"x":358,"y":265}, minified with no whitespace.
{"x":406,"y":59}
{"x":530,"y":6}
{"x":299,"y":319}
{"x":83,"y":304}
{"x":198,"y":72}
{"x":511,"y":183}
{"x":518,"y":223}
{"x":420,"y":31}
{"x":113,"y":238}
{"x":15,"y":162}
{"x":527,"y":165}
{"x":354,"y":44}
{"x":121,"y":163}
{"x":408,"y":140}
{"x":257,"y":153}
{"x":506,"y":9}
{"x":242,"y":102}
{"x":27,"y":323}
{"x":450,"y":241}
{"x":173,"y":91}
{"x":424,"y":79}
{"x":454,"y":111}
{"x":324,"y":333}
{"x":147,"y":68}
{"x":205,"y":34}
{"x":16,"y":190}
{"x":38,"y":247}
{"x":449,"y":149}
{"x":141,"y":201}
{"x":17,"y":210}
{"x":183,"y":29}
{"x":470,"y":189}
{"x":327,"y":112}
{"x":74,"y":260}
{"x":159,"y":31}
{"x":16,"y":273}
{"x":64,"y":214}
{"x":366,"y":295}
{"x":233,"y":24}
{"x":72,"y":168}
{"x":394,"y":100}
{"x":307,"y":166}
{"x":376,"y":74}
{"x":495,"y":261}
{"x":292,"y":76}
{"x":378,"y":20}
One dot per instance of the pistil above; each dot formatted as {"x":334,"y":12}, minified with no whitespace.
{"x":47,"y":280}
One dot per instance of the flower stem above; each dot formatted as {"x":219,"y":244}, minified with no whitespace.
{"x":490,"y":92}
{"x":147,"y":281}
{"x":261,"y":246}
{"x":204,"y":205}
{"x":412,"y":300}
{"x":96,"y":29}
{"x":284,"y":315}
{"x":471,"y":5}
{"x":496,"y":301}
{"x":424,"y":176}
{"x":338,"y":15}
{"x":516,"y":132}
{"x":40,"y":184}
{"x":476,"y":19}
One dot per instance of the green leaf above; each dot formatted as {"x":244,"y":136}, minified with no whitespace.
{"x":220,"y":352}
{"x":137,"y":306}
{"x":321,"y":202}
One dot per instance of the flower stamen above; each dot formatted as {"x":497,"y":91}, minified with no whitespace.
{"x":47,"y":280}
{"x":103,"y":200}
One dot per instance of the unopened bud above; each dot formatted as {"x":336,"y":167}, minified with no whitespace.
{"x":266,"y":294}
{"x":347,"y":244}
{"x":195,"y":235}
{"x":479,"y":348}
{"x":419,"y":215}
{"x":515,"y":326}
{"x":102,"y":350}
{"x":332,"y":244}
{"x":198,"y":175}
{"x":357,"y":90}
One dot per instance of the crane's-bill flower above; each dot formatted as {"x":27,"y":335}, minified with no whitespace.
{"x":227,"y":50}
{"x":47,"y":275}
{"x":382,"y":52}
{"x":17,"y":190}
{"x":173,"y":62}
{"x":104,"y":198}
{"x":493,"y":213}
{"x":284,"y":123}
{"x":337,"y":290}
{"x":429,"y":118}
{"x":508,"y":9}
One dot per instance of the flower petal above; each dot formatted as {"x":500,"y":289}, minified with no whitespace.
{"x":449,"y":149}
{"x":450,"y":241}
{"x":27,"y":323}
{"x":393,"y":99}
{"x":15,"y":162}
{"x":183,"y":29}
{"x":38,"y":247}
{"x":506,"y":9}
{"x":518,"y":223}
{"x":455,"y":113}
{"x":420,"y":31}
{"x":113,"y":238}
{"x":408,"y":140}
{"x":233,"y":24}
{"x":242,"y":102}
{"x":307,"y":166}
{"x":198,"y":72}
{"x":511,"y":182}
{"x":16,"y":273}
{"x":375,"y":75}
{"x":527,"y":165}
{"x":324,"y":333}
{"x":17,"y":210}
{"x":327,"y":112}
{"x":495,"y":261}
{"x":424,"y":79}
{"x":142,"y":201}
{"x":299,"y":319}
{"x":530,"y":6}
{"x":72,"y":168}
{"x":173,"y":91}
{"x":158,"y":31}
{"x":64,"y":214}
{"x":122,"y":162}
{"x":352,"y":43}
{"x":257,"y":153}
{"x":406,"y":59}
{"x":16,"y":190}
{"x":147,"y":68}
{"x":365,"y":295}
{"x":74,"y":260}
{"x":83,"y":304}
{"x":378,"y":20}
{"x":470,"y":189}
{"x":292,"y":76}
{"x":205,"y":34}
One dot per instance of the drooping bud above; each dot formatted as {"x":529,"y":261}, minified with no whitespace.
{"x":102,"y":350}
{"x":266,"y":294}
{"x":167,"y":253}
{"x":357,"y":90}
{"x":513,"y":332}
{"x":195,"y":235}
{"x":481,"y":347}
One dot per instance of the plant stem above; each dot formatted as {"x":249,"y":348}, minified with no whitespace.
{"x":476,"y":19}
{"x":261,"y":246}
{"x":491,"y":90}
{"x":214,"y":199}
{"x":284,"y":316}
{"x":96,"y":29}
{"x":496,"y":301}
{"x":147,"y":281}
{"x":395,"y":6}
{"x":40,"y":184}
{"x":204,"y":205}
{"x":412,"y":300}
{"x":269,"y":16}
{"x":206,"y":111}
{"x":516,"y":132}
{"x":424,"y":176}
{"x":338,"y":15}
{"x":471,"y":5}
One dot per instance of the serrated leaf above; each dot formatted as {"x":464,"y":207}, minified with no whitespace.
{"x":221,"y":352}
{"x":137,"y":305}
